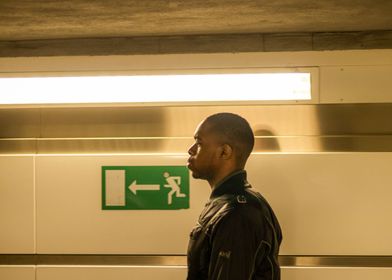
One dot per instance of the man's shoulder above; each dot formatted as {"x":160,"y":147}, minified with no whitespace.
{"x":247,"y":202}
{"x":240,"y":213}
{"x":248,"y":205}
{"x":244,"y":205}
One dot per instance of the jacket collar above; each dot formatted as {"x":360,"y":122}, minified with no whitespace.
{"x":234,"y":183}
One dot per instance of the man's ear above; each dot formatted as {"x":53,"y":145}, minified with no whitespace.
{"x":226,"y":152}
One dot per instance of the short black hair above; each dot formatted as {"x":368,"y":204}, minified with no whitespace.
{"x":235,"y":131}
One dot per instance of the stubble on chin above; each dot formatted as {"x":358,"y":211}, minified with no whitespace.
{"x":195,"y":175}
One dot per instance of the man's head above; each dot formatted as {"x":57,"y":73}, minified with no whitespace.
{"x":223,"y":143}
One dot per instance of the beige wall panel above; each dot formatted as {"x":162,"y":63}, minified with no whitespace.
{"x":16,"y":205}
{"x":333,"y":273}
{"x":17,"y":272}
{"x":328,"y":204}
{"x":109,"y":273}
{"x":70,"y":219}
{"x":356,"y":84}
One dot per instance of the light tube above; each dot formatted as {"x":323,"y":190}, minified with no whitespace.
{"x":155,"y":88}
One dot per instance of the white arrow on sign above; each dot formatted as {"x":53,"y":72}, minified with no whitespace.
{"x":135,"y":187}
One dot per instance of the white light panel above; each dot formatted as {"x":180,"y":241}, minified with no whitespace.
{"x":156,"y":88}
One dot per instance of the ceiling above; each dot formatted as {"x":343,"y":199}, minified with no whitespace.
{"x":53,"y":19}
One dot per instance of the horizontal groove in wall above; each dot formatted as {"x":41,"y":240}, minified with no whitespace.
{"x":359,"y":143}
{"x":180,"y":260}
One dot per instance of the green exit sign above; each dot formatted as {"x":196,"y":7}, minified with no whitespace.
{"x":145,"y":187}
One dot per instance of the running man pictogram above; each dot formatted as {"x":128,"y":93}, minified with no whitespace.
{"x":174,"y":183}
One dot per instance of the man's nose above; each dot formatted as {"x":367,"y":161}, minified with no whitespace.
{"x":191,"y":150}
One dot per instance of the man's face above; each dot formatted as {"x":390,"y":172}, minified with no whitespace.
{"x":204,"y":153}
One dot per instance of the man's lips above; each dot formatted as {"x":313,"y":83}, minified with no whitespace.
{"x":189,"y":163}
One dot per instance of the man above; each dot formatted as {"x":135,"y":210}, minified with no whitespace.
{"x":237,"y":235}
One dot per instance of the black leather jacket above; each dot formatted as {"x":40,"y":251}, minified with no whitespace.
{"x":237,"y":235}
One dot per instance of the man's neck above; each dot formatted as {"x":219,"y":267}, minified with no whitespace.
{"x":218,"y":180}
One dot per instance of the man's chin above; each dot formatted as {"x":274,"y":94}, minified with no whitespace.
{"x":195,"y":175}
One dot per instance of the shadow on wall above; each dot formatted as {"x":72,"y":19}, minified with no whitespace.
{"x":355,"y":127}
{"x":265,"y":140}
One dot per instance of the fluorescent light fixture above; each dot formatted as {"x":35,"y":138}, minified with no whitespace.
{"x":156,"y":88}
